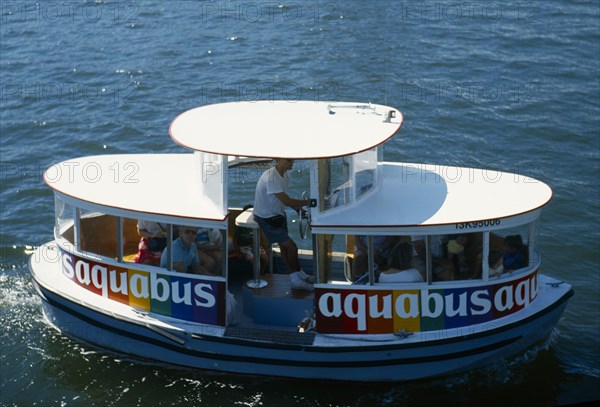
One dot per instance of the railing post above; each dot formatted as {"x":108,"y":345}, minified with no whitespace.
{"x":371,"y":257}
{"x":485,"y":266}
{"x":119,"y":239}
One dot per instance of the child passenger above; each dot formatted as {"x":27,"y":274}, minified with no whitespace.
{"x":152,"y":243}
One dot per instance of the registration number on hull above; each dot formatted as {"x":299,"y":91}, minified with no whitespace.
{"x":478,"y":224}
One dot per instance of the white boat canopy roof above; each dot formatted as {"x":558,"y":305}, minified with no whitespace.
{"x":419,"y":198}
{"x":286,"y":129}
{"x":411,"y":197}
{"x":163,"y":186}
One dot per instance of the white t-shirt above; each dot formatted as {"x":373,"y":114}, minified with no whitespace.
{"x":266,"y":204}
{"x":404,"y":276}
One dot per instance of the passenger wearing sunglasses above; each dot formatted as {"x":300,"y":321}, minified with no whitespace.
{"x":185,"y":255}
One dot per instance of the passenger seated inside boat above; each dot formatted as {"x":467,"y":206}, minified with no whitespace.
{"x":495,"y":261}
{"x":209,"y":244}
{"x":401,"y":270}
{"x":441,"y":267}
{"x":514,"y":252}
{"x":152,"y":243}
{"x":453,"y":257}
{"x":185,"y":253}
{"x":381,"y":249}
{"x":456,"y":253}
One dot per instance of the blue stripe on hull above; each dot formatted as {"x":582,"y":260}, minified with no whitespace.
{"x":396,"y":362}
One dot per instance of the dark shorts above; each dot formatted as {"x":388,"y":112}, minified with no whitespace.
{"x":275,"y":229}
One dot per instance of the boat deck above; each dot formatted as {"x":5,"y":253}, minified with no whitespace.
{"x":270,"y":335}
{"x":278,"y":286}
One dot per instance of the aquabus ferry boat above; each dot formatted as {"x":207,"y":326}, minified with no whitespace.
{"x":415,"y":270}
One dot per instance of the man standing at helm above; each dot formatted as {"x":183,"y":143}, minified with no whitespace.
{"x":269,"y":212}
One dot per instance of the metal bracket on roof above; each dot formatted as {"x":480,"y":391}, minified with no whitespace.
{"x":390,"y":115}
{"x":330,"y":108}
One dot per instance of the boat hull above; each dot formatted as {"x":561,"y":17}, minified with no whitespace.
{"x":308,"y":356}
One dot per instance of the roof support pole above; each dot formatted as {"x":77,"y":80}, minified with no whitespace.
{"x":170,"y":246}
{"x":428,"y":264}
{"x":485,"y":266}
{"x":532,"y":243}
{"x":224,"y":259}
{"x":77,"y":230}
{"x":119,"y":239}
{"x":315,"y":259}
{"x":371,"y":258}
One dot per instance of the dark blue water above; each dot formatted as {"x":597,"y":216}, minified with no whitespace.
{"x":500,"y":85}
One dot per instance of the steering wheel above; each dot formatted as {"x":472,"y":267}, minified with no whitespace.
{"x":304,"y":218}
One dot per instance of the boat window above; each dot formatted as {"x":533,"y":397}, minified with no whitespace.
{"x":390,"y":256}
{"x":448,"y":257}
{"x":343,"y":180}
{"x":143,"y":241}
{"x":130,"y":239}
{"x":399,"y":259}
{"x":334,"y":254}
{"x":334,"y":182}
{"x":147,"y":242}
{"x":212,"y":245}
{"x":372,"y":255}
{"x":64,"y":221}
{"x":347,"y":259}
{"x":509,"y":250}
{"x":365,"y":171}
{"x":428,"y":258}
{"x":198,"y":250}
{"x":98,"y":233}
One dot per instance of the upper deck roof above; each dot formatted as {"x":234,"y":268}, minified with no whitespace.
{"x":160,"y":185}
{"x":411,"y":196}
{"x":285,"y":129}
{"x":414,"y":197}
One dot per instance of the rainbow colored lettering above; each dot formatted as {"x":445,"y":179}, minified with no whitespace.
{"x":378,"y":311}
{"x":186,"y":297}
